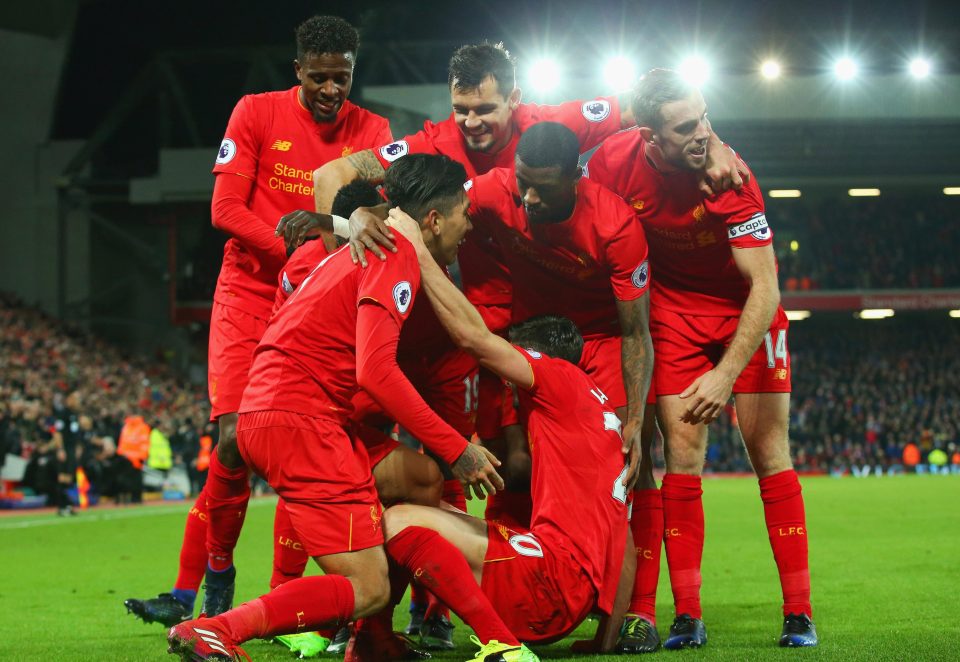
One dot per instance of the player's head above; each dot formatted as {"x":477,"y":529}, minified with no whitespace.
{"x":326,"y":54}
{"x":551,"y":335}
{"x":429,"y":188}
{"x":358,"y":193}
{"x":547,"y":168}
{"x":484,"y":94}
{"x":672,"y":117}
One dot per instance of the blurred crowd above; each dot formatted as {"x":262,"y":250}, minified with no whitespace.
{"x":883,"y":243}
{"x":868,"y":397}
{"x":69,"y":401}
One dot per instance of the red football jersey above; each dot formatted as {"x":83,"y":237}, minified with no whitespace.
{"x":579,"y":501}
{"x":272,"y":139}
{"x":485,"y":279}
{"x":691,"y":237}
{"x":577,"y":268}
{"x":306,"y":362}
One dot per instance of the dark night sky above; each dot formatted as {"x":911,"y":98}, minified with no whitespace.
{"x":113,"y":39}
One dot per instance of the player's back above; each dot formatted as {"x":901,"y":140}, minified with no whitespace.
{"x":579,"y":502}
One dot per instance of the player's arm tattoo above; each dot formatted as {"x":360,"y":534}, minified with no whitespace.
{"x":367,"y":166}
{"x":636,"y":352}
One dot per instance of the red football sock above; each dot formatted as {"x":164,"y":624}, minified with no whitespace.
{"x":289,"y":557}
{"x":453,"y":494}
{"x":683,"y":538}
{"x":302,"y":605}
{"x":193,"y":549}
{"x":646,"y":525}
{"x":228,"y":492}
{"x":441,"y":567}
{"x":787,"y":528}
{"x":435,"y":607}
{"x":418,"y":595}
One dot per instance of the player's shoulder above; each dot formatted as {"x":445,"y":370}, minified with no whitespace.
{"x":362,"y":116}
{"x":749,"y":194}
{"x":271,"y":99}
{"x":624,"y":145}
{"x":608,"y":207}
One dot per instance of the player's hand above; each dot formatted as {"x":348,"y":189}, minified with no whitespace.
{"x":633,"y":449}
{"x":475,"y":469}
{"x":707,"y":396}
{"x":403,"y":223}
{"x":724,"y":171}
{"x":296,"y":226}
{"x":368,"y":232}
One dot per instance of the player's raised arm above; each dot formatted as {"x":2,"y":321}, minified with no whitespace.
{"x":459,"y":317}
{"x":331,"y":176}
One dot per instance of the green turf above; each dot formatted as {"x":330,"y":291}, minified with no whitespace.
{"x":884,"y":558}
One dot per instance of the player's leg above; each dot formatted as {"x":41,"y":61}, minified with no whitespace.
{"x":684,"y":453}
{"x":646,"y":526}
{"x":404,"y":475}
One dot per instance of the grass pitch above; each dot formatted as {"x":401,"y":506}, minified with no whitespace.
{"x":884,"y":560}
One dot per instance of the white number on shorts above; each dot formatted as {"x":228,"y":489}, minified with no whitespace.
{"x":471,"y":387}
{"x":619,"y":489}
{"x":599,"y":395}
{"x":778,"y":350}
{"x":526,"y":545}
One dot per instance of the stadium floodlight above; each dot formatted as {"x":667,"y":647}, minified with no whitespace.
{"x":695,"y":70}
{"x":770,"y":69}
{"x":797,"y":315}
{"x":955,"y":314}
{"x":545,"y":74}
{"x":794,"y":245}
{"x":619,"y":73}
{"x":863,"y":192}
{"x":875,"y":313}
{"x":920,"y":67}
{"x":845,"y":69}
{"x":784,"y":193}
{"x":951,"y":190}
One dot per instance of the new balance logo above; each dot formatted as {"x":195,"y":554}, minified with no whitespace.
{"x":282,"y":145}
{"x":213,"y":641}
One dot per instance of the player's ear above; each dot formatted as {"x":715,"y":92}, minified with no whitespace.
{"x":647,"y":134}
{"x":298,"y":70}
{"x":514,"y":99}
{"x":433,"y":222}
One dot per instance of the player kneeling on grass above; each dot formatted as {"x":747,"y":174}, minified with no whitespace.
{"x":336,"y":334}
{"x":542,"y":582}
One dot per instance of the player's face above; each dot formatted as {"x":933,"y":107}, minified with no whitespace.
{"x":447,"y":231}
{"x":325,"y":81}
{"x":484,"y":115}
{"x":682,"y":138}
{"x":548,"y":195}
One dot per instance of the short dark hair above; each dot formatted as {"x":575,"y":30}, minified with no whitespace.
{"x":326,"y":34}
{"x":470,"y":64}
{"x":552,"y":335}
{"x":549,"y":145}
{"x":655,"y":89}
{"x":358,"y":193}
{"x":418,"y":183}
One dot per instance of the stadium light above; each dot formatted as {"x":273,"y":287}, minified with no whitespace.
{"x":845,"y":69}
{"x":920,"y":67}
{"x":875,"y":313}
{"x":695,"y":70}
{"x":955,"y":314}
{"x":784,"y":193}
{"x":619,"y":73}
{"x":951,"y":190}
{"x":545,"y":74}
{"x":770,"y":69}
{"x":863,"y":192}
{"x":797,"y":315}
{"x":794,"y":245}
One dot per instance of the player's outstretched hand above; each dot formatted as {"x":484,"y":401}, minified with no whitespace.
{"x":475,"y":468}
{"x":707,"y":396}
{"x":725,"y":170}
{"x":368,"y":232}
{"x":633,"y":449}
{"x":296,"y":226}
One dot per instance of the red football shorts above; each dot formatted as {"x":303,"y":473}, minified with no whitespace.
{"x":686,"y":346}
{"x":377,"y":444}
{"x":510,"y":508}
{"x":539,"y":590}
{"x":601,"y":360}
{"x":321,"y":472}
{"x":234,"y":334}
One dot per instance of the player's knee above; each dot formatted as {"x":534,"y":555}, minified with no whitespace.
{"x":227,"y":450}
{"x":397,"y":518}
{"x":770,"y":456}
